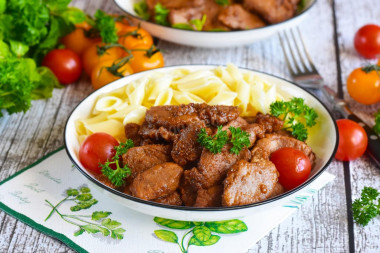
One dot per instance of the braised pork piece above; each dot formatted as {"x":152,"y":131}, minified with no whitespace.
{"x":235,"y":15}
{"x":168,"y":164}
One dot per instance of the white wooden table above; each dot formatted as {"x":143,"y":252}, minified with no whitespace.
{"x":323,"y":225}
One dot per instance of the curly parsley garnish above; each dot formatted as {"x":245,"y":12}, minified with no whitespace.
{"x":239,"y":139}
{"x":213,"y":143}
{"x":161,"y":14}
{"x":297,"y":116}
{"x":118,"y":175}
{"x":367,"y":206}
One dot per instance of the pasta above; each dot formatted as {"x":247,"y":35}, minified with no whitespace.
{"x":219,"y":86}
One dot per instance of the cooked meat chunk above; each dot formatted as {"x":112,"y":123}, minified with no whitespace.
{"x":236,"y":17}
{"x":132,"y":132}
{"x":188,"y":189}
{"x":141,"y":158}
{"x":158,"y":181}
{"x":172,"y":199}
{"x":255,"y":132}
{"x":212,"y":168}
{"x":184,"y":15}
{"x":269,"y":122}
{"x":247,"y":183}
{"x":210,"y":197}
{"x":278,"y":190}
{"x":273,"y":11}
{"x":185,"y":146}
{"x":272,"y":142}
{"x":238,"y":122}
{"x":175,"y":118}
{"x":156,"y":134}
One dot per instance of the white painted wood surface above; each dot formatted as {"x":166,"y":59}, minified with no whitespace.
{"x":321,"y":225}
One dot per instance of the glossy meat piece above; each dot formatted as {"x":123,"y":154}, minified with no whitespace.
{"x":184,"y":15}
{"x":247,"y":183}
{"x":238,"y":122}
{"x":156,"y":134}
{"x":278,"y":190}
{"x":132,"y":132}
{"x":237,"y":18}
{"x":158,"y":181}
{"x":212,"y":168}
{"x":174,"y":118}
{"x":269,"y":122}
{"x":273,"y":11}
{"x":255,"y":132}
{"x":171,"y":199}
{"x":211,"y":197}
{"x":185,"y":146}
{"x":272,"y":142}
{"x":141,"y":158}
{"x":188,"y":189}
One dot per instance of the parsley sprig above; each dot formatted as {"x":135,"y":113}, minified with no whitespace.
{"x":367,"y":206}
{"x":161,"y":14}
{"x":376,"y":127}
{"x":297,"y":116}
{"x":213,"y":143}
{"x":239,"y":139}
{"x":117,"y":176}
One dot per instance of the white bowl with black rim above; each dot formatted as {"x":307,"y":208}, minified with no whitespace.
{"x":212,"y":39}
{"x":323,"y":141}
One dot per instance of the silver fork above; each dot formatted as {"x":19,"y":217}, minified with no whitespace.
{"x":306,"y":75}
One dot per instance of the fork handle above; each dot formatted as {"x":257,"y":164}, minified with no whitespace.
{"x":373,"y":148}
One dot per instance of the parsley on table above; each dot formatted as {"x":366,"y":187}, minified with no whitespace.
{"x":376,"y":127}
{"x":367,"y":206}
{"x":213,"y":143}
{"x":297,"y":116}
{"x":118,"y":175}
{"x":105,"y":24}
{"x":239,"y":139}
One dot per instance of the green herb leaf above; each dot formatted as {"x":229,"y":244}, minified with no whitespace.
{"x":176,"y":224}
{"x":367,"y":206}
{"x":199,"y":23}
{"x":376,"y":127}
{"x":202,"y":233}
{"x":84,"y":190}
{"x":182,"y":26}
{"x":105,"y":24}
{"x":213,"y":143}
{"x":74,"y":15}
{"x":83,"y":205}
{"x":141,"y":9}
{"x":57,"y":6}
{"x":110,"y":224}
{"x":239,"y":139}
{"x":97,"y":215}
{"x":18,"y":48}
{"x":222,"y":2}
{"x":117,"y":233}
{"x":227,"y":227}
{"x":118,"y":175}
{"x":297,"y":116}
{"x":79,"y":232}
{"x":5,"y":51}
{"x":91,"y":228}
{"x":166,"y":235}
{"x":72,"y":192}
{"x":161,"y":14}
{"x":84,"y":196}
{"x":211,"y":241}
{"x":48,"y":81}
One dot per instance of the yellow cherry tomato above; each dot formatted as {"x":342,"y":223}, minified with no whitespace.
{"x":142,"y":61}
{"x":363,"y":85}
{"x":101,"y":75}
{"x":91,"y":57}
{"x":132,"y":37}
{"x":77,"y":41}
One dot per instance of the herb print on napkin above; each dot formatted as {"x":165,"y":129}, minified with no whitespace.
{"x":202,"y":233}
{"x":97,"y":222}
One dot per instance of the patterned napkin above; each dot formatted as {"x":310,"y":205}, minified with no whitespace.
{"x":53,"y":197}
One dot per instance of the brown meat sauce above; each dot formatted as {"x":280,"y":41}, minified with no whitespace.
{"x":169,"y":166}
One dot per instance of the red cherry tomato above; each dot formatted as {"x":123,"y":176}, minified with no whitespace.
{"x":65,"y":64}
{"x":367,"y":41}
{"x":293,"y":165}
{"x":97,"y":148}
{"x":353,"y":140}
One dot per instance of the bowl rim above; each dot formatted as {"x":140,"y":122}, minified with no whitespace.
{"x":203,"y":209}
{"x":302,"y":13}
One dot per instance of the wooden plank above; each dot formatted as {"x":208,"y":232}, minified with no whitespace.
{"x":363,"y":171}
